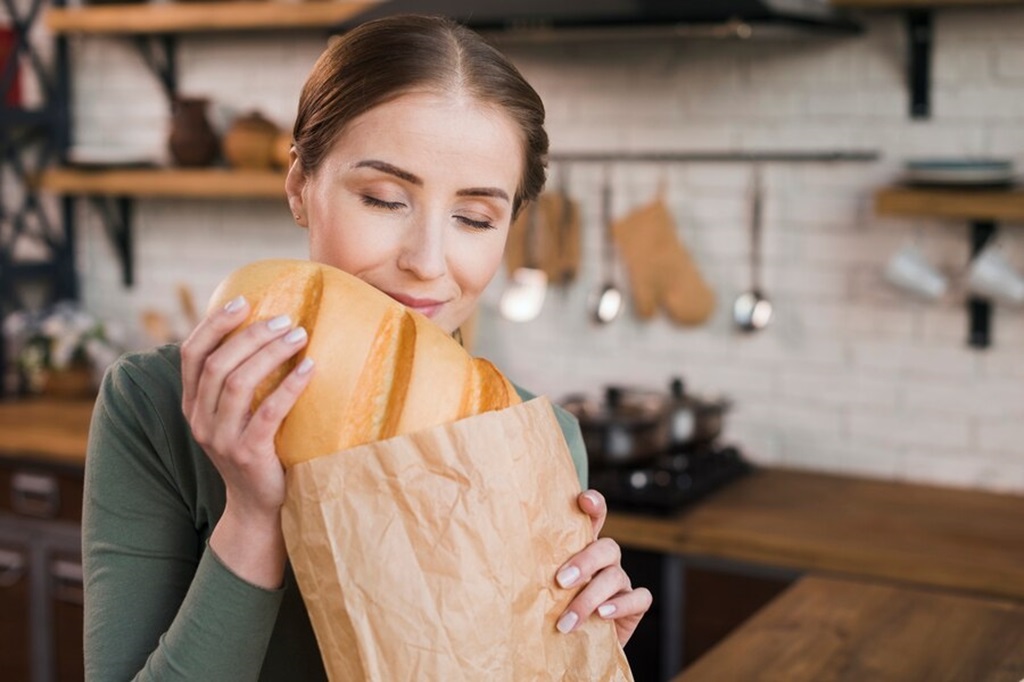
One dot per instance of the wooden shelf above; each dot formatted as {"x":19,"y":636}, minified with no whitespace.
{"x":919,"y":4}
{"x":203,"y":183}
{"x":993,"y":205}
{"x":172,"y":17}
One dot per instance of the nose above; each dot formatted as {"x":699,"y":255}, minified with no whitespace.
{"x":423,"y":250}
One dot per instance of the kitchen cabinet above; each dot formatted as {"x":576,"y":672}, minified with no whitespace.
{"x":42,"y":451}
{"x":41,"y":572}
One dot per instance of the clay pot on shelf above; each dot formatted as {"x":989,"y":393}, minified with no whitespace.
{"x":192,"y":141}
{"x":250,"y":141}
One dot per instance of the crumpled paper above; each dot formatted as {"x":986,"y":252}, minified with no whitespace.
{"x":432,"y":556}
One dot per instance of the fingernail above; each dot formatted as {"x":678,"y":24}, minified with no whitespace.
{"x":567,"y":622}
{"x":568,"y":576}
{"x":606,"y":610}
{"x":592,"y":497}
{"x":295,"y":335}
{"x":235,"y":304}
{"x":278,"y":323}
{"x":305,"y":366}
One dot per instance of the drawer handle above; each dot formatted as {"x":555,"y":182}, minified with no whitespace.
{"x":35,"y":495}
{"x":67,"y":581}
{"x":12,"y":567}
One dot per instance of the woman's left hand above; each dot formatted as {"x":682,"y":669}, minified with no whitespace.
{"x":608,"y":591}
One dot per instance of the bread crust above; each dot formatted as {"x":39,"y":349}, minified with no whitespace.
{"x":381,"y":370}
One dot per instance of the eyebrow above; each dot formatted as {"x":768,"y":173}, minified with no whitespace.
{"x":385,"y":167}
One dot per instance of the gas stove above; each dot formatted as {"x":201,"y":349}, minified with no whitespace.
{"x":671,"y":481}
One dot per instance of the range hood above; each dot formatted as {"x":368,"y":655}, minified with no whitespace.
{"x":697,"y":18}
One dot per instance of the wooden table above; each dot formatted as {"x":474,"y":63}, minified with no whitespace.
{"x":794,"y":523}
{"x":825,"y":629}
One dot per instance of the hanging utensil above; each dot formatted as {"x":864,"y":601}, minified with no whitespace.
{"x":608,"y":301}
{"x":523,"y":299}
{"x":752,"y":310}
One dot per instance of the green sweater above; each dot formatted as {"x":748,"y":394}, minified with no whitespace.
{"x":158,"y":604}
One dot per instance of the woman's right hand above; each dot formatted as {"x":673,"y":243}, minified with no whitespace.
{"x":219,"y":378}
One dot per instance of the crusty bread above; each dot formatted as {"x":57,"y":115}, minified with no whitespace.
{"x":381,"y":369}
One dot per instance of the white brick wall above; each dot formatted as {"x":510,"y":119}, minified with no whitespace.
{"x":851,"y":376}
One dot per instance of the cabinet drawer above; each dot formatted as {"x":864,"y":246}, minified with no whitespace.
{"x":41,"y":492}
{"x":15,"y":612}
{"x":68,"y":617}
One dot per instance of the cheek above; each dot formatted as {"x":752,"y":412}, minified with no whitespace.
{"x":478,"y":262}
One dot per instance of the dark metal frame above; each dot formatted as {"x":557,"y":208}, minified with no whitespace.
{"x":30,"y":140}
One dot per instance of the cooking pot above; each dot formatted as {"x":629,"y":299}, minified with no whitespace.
{"x":628,"y":428}
{"x":632,"y":427}
{"x":693,"y":421}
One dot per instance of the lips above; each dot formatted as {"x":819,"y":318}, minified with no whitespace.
{"x":424,"y":306}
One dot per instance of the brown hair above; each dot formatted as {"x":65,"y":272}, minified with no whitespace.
{"x":383,"y":59}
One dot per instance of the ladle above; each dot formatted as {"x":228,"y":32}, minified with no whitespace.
{"x":608,"y":300}
{"x":752,"y":310}
{"x":523,"y":299}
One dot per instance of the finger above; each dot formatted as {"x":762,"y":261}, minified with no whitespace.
{"x":221,"y":364}
{"x":610,"y":582}
{"x":241,"y":383}
{"x":625,"y":604}
{"x":593,"y":505}
{"x":272,"y":411}
{"x":588,"y":562}
{"x":207,"y":335}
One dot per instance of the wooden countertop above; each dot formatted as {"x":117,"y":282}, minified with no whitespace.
{"x":830,"y":629}
{"x":49,"y":430}
{"x":955,"y":539}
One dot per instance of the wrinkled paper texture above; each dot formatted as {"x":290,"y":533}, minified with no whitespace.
{"x":432,"y":556}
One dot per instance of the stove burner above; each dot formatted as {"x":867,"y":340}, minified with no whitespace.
{"x":672,"y":481}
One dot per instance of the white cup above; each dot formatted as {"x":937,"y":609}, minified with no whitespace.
{"x":990,"y":275}
{"x":909,"y":270}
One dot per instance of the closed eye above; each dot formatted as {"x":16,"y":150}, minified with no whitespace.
{"x":475,"y":224}
{"x":380,"y":203}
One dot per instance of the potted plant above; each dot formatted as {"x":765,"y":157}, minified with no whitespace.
{"x":61,"y":351}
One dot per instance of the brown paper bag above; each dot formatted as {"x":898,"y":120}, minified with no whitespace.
{"x":432,"y":556}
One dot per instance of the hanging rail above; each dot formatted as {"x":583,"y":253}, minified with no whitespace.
{"x":766,"y":156}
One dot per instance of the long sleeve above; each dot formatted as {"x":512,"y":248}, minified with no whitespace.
{"x":159,"y":604}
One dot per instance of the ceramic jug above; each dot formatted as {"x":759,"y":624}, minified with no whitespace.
{"x":192,"y":140}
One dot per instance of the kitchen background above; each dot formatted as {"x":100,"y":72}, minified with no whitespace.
{"x":852,"y":375}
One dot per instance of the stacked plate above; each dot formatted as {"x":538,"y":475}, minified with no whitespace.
{"x":959,"y":172}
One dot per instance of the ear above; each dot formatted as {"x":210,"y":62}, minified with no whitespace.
{"x":295,"y":188}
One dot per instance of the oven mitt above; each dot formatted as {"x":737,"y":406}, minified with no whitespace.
{"x":661,"y":270}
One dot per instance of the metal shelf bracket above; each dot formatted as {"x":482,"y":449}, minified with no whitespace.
{"x":159,"y":52}
{"x":979,"y":310}
{"x":116,"y":214}
{"x":920,"y":38}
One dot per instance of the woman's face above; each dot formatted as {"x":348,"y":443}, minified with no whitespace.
{"x":415,"y":198}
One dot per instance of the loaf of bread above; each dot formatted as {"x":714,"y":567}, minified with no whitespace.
{"x":381,"y":369}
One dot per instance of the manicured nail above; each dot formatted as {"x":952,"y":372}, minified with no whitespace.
{"x":278,"y":323}
{"x":567,"y":622}
{"x":606,"y":610}
{"x":296,"y":335}
{"x":235,"y":304}
{"x":305,"y":366}
{"x":592,"y":497}
{"x":568,"y":576}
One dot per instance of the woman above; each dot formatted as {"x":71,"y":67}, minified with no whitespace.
{"x":416,"y":144}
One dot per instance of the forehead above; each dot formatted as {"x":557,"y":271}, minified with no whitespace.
{"x":444,"y":127}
